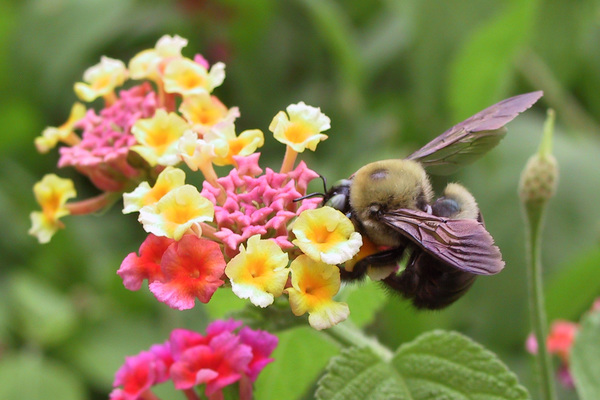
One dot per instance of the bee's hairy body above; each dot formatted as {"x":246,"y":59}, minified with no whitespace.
{"x":390,"y":185}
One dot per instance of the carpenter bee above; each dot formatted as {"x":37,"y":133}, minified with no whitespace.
{"x":443,"y":243}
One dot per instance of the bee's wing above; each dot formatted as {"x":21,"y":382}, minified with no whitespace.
{"x":462,"y":243}
{"x":469,"y":140}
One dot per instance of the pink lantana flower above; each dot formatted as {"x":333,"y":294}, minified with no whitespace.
{"x":262,"y":205}
{"x":106,"y":139}
{"x":138,"y":374}
{"x":219,"y":363}
{"x":192,"y":269}
{"x":221,"y":357}
{"x":262,"y":344}
{"x":134,"y":269}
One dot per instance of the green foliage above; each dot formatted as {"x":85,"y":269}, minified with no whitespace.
{"x":437,"y":365}
{"x":585,"y":358}
{"x":30,"y":376}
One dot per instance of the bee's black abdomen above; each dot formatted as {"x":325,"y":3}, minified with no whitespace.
{"x":430,"y":283}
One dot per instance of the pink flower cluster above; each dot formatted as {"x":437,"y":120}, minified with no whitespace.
{"x":106,"y":138}
{"x":258,"y":204}
{"x":178,"y":272}
{"x":220,"y":358}
{"x":559,"y":341}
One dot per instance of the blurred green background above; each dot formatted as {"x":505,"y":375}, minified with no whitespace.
{"x":391,"y":75}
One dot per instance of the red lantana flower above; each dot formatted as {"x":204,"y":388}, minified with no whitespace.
{"x":134,"y":269}
{"x":192,"y":268}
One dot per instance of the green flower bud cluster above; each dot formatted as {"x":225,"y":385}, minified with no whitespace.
{"x":539,"y":179}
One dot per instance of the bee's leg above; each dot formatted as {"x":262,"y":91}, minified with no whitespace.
{"x":382,"y":259}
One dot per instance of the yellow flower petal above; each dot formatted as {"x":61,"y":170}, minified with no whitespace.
{"x":158,"y":137}
{"x":186,"y":77}
{"x":313,"y":286}
{"x":204,"y":111}
{"x":259,"y":271}
{"x":326,"y":234}
{"x":148,"y":63}
{"x":51,"y":194}
{"x":101,"y":79}
{"x":198,"y":153}
{"x":169,"y":179}
{"x":301,"y":128}
{"x":52,"y":135}
{"x":181,"y":210}
{"x":243,"y":145}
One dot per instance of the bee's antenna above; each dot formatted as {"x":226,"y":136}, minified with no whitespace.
{"x":324,"y":183}
{"x":308,"y":196}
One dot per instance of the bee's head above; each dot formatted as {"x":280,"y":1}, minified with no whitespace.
{"x":388,"y":185}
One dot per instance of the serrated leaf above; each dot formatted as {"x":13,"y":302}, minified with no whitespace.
{"x":437,"y":365}
{"x":448,"y":365}
{"x":359,"y":374}
{"x":585,"y":358}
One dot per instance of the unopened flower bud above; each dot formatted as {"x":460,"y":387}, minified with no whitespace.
{"x":539,"y":179}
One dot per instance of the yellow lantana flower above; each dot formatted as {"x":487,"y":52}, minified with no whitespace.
{"x":158,"y":136}
{"x":326,"y":234}
{"x":149,"y":63}
{"x":199,"y":153}
{"x":181,"y":210}
{"x":243,"y":145}
{"x":144,"y":195}
{"x":187,"y":77}
{"x":204,"y":111}
{"x":64,"y":133}
{"x":52,"y":194}
{"x":101,"y":79}
{"x":313,"y":286}
{"x":259,"y":271}
{"x":301,"y":128}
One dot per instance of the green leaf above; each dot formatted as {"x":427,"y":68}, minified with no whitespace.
{"x":358,"y":374}
{"x":30,"y":377}
{"x":482,"y":68}
{"x":448,"y":365}
{"x":437,"y":365}
{"x":585,"y":358}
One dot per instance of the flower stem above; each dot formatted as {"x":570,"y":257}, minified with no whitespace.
{"x":539,"y":321}
{"x":349,"y":335}
{"x":288,"y":160}
{"x":538,"y":184}
{"x":93,"y":204}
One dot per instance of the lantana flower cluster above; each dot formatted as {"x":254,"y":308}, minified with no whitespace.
{"x":224,"y":356}
{"x":249,"y":230}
